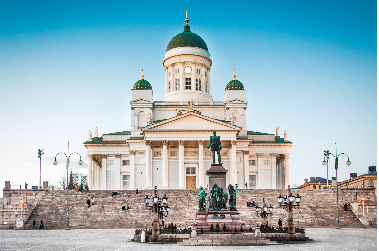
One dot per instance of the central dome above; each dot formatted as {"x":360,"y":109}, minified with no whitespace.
{"x":187,"y":38}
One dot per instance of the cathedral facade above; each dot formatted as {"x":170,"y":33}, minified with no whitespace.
{"x":167,"y":144}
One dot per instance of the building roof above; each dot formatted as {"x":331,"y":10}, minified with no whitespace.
{"x":258,"y":133}
{"x":187,"y":38}
{"x":119,"y":133}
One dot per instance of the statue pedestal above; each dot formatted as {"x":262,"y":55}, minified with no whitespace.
{"x":231,"y":219}
{"x":217,"y":174}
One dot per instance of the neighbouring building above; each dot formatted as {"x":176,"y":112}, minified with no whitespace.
{"x":166,"y":145}
{"x":316,"y":183}
{"x":368,"y":180}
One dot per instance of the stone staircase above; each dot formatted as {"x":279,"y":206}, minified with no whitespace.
{"x":318,"y":209}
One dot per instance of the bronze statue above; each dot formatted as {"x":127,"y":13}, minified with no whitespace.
{"x":215,"y":145}
{"x":233,"y":197}
{"x":202,"y":195}
{"x":217,"y":200}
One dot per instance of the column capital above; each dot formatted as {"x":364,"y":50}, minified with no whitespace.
{"x":148,"y":142}
{"x":233,"y":142}
{"x":260,"y":154}
{"x":117,"y":155}
{"x":201,"y":142}
{"x":273,"y":154}
{"x":181,"y":142}
{"x":182,"y":63}
{"x":165,"y":142}
{"x":104,"y":156}
{"x":89,"y":156}
{"x":286,"y":155}
{"x":245,"y":152}
{"x":132,"y":152}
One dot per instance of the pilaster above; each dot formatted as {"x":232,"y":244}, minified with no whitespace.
{"x":132,"y":169}
{"x":104,"y":172}
{"x":148,"y":165}
{"x":201,"y":163}
{"x":165,"y":164}
{"x":182,"y":183}
{"x":273,"y":170}
{"x":117,"y":170}
{"x":246,"y":167}
{"x":234,"y":163}
{"x":260,"y":177}
{"x":90,"y":172}
{"x":286,"y":169}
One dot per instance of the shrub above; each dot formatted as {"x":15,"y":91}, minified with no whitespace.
{"x":241,"y":229}
{"x":217,"y":227}
{"x":224,"y":228}
{"x":212,"y":229}
{"x":250,"y":229}
{"x":235,"y":229}
{"x":201,"y":230}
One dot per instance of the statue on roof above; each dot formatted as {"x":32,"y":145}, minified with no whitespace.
{"x":149,"y":119}
{"x":96,"y":133}
{"x":190,"y":105}
{"x":89,"y":135}
{"x":285,"y":136}
{"x":215,"y":145}
{"x":277,"y":131}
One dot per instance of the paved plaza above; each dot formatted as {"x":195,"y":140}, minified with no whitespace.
{"x":118,"y":239}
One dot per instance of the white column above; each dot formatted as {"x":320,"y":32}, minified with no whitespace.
{"x":132,"y":170}
{"x":273,"y":170}
{"x":203,"y":78}
{"x":260,"y":176}
{"x":246,"y":165}
{"x":98,"y":177}
{"x":182,"y":173}
{"x":234,"y":163}
{"x":148,"y":164}
{"x":209,"y":80}
{"x":182,"y":83}
{"x":201,"y":163}
{"x":117,"y":170}
{"x":90,"y":173}
{"x":287,"y":170}
{"x":166,"y":80}
{"x":172,"y":78}
{"x":193,"y":79}
{"x":135,"y":120}
{"x":165,"y":164}
{"x":104,"y":172}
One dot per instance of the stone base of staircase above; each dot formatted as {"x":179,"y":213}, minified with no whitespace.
{"x":245,"y":239}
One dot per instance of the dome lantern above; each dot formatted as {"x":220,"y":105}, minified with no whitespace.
{"x":234,"y":84}
{"x":142,"y":84}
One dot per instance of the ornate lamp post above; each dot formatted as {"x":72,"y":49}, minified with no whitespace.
{"x":40,"y":152}
{"x":263,"y":211}
{"x":288,"y":203}
{"x":55,"y":162}
{"x":158,"y":211}
{"x":326,"y":157}
{"x":348,"y":163}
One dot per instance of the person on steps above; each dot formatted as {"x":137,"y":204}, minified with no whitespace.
{"x":280,"y":223}
{"x":89,"y":203}
{"x":41,"y":226}
{"x":34,"y":224}
{"x":93,"y":201}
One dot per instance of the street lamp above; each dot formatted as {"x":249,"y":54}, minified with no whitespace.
{"x":40,"y":152}
{"x":326,"y":162}
{"x":348,"y":163}
{"x":55,"y":162}
{"x":289,"y":202}
{"x":158,"y":210}
{"x":263,"y":211}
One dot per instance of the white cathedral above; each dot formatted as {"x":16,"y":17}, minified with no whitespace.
{"x":167,"y":142}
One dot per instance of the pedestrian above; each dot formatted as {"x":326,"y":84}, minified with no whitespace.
{"x":93,"y":201}
{"x":280,"y":223}
{"x":41,"y":226}
{"x":86,"y":187}
{"x":137,"y":191}
{"x":89,"y":203}
{"x":34,"y":224}
{"x":26,"y":185}
{"x":319,"y":185}
{"x":345,"y":206}
{"x":81,"y":187}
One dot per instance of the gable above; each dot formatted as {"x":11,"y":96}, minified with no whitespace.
{"x":191,"y":121}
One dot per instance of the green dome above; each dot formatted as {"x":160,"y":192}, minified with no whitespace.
{"x":187,"y":38}
{"x":142,"y":84}
{"x":234,"y":85}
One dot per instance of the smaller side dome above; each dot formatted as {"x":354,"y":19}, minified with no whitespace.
{"x":234,"y":85}
{"x":142,"y":84}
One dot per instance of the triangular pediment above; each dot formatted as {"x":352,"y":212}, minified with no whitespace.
{"x":191,"y":121}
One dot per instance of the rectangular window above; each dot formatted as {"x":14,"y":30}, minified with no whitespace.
{"x":252,"y":181}
{"x":252,"y":162}
{"x":198,"y":84}
{"x":126,"y":182}
{"x":206,"y":87}
{"x":176,"y":71}
{"x":198,"y":71}
{"x":126,"y":162}
{"x":169,"y":86}
{"x":188,"y":83}
{"x":177,"y":84}
{"x":169,"y":73}
{"x":206,"y":74}
{"x":191,"y":170}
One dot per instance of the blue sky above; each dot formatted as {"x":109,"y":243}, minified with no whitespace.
{"x":66,"y":67}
